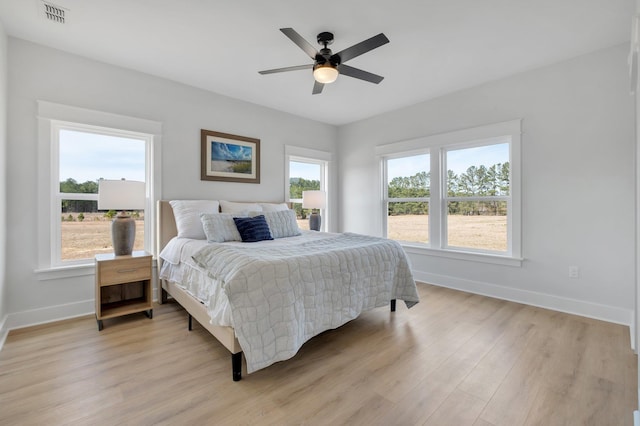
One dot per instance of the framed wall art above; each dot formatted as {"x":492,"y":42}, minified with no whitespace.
{"x":229,"y":158}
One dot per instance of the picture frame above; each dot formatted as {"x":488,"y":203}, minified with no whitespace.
{"x":229,"y":158}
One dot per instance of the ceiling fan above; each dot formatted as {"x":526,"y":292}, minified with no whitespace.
{"x":326,"y":64}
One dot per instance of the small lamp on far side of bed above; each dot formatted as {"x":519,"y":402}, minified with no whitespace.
{"x":314,"y":200}
{"x":121,"y":195}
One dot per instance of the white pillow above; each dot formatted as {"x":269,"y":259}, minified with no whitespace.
{"x":220,"y":227}
{"x":274,"y":207}
{"x":187,"y":215}
{"x":282,"y":223}
{"x":231,"y":207}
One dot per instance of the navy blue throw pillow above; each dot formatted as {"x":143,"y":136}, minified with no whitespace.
{"x":253,"y":229}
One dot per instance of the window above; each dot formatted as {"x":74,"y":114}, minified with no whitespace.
{"x":456,"y":192}
{"x":86,"y":155}
{"x":77,"y":147}
{"x":407,"y":197}
{"x":307,"y":169}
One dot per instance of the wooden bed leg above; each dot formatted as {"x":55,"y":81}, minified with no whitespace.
{"x":190,"y":322}
{"x":236,"y":366}
{"x":164,"y":296}
{"x":393,"y":305}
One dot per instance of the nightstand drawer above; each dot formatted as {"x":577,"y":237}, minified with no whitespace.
{"x":122,"y":272}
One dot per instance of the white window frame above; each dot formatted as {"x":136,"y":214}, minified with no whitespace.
{"x":311,"y":156}
{"x":55,"y":117}
{"x":436,"y":146}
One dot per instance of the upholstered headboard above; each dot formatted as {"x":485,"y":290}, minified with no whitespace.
{"x":166,"y":226}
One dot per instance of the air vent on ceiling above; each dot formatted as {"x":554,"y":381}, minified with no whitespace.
{"x":54,"y":13}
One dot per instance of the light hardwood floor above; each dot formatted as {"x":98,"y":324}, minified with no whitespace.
{"x":454,"y":359}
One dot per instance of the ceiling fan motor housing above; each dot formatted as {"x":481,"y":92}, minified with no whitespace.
{"x":325,"y":54}
{"x":325,"y":38}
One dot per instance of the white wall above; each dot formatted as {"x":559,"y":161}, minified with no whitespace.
{"x":577,"y":173}
{"x":40,"y":73}
{"x":3,"y":182}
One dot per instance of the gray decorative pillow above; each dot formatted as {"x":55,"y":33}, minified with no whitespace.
{"x":220,"y":227}
{"x":282,"y":223}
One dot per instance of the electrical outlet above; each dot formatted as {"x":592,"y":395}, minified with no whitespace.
{"x":574,"y":271}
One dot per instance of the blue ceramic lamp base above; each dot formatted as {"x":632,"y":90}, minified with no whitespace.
{"x":314,"y":221}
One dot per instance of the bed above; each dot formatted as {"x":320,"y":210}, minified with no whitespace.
{"x":266,"y":298}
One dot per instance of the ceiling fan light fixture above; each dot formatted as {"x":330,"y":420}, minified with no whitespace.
{"x":327,"y":65}
{"x":325,"y":73}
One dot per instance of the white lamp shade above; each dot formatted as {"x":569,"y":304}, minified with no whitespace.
{"x":121,"y":195}
{"x":325,"y":74}
{"x":314,"y":199}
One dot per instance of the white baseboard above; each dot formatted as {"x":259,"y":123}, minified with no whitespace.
{"x":547,"y":301}
{"x":49,"y":314}
{"x":33,"y":317}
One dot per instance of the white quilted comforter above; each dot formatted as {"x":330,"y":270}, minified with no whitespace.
{"x":281,"y":297}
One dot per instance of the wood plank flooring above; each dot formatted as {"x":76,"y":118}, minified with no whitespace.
{"x":453,"y":359}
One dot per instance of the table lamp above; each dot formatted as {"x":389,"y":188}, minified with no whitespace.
{"x":121,"y":195}
{"x":314,"y":200}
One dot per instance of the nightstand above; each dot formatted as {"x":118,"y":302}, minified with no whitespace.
{"x":123,"y":285}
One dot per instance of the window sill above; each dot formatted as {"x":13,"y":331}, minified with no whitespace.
{"x":70,"y":271}
{"x":462,"y":255}
{"x":60,"y":272}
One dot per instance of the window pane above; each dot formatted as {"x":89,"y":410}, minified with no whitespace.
{"x":86,"y":232}
{"x":302,"y":177}
{"x":481,"y":170}
{"x":478,"y":224}
{"x":408,"y":221}
{"x":84,"y":158}
{"x":87,"y":157}
{"x":408,"y":177}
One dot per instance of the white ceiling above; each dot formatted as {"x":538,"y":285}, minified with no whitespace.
{"x":436,"y":46}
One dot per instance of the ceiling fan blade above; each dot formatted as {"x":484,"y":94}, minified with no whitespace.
{"x":285,"y":69}
{"x":362,"y":47}
{"x":358,"y":73}
{"x":317,"y":88}
{"x":300,"y":42}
